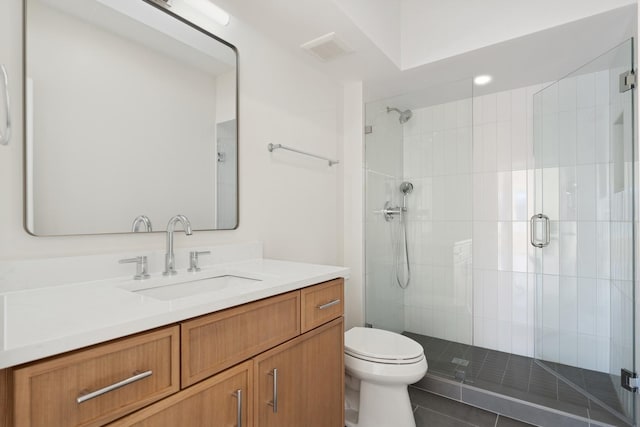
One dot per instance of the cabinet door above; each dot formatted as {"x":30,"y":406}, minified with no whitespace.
{"x":214,"y":402}
{"x":322,"y":375}
{"x":309,"y":380}
{"x":278,"y":384}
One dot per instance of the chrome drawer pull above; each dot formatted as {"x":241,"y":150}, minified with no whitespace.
{"x":238,"y":395}
{"x":274,"y":402}
{"x":329,"y":304}
{"x":136,"y":377}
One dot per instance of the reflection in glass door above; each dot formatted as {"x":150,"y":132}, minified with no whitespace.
{"x":583,"y":227}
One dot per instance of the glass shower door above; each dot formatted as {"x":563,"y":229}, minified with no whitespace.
{"x":583,"y":230}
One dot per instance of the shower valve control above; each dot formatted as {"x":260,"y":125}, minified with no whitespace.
{"x":389,"y":212}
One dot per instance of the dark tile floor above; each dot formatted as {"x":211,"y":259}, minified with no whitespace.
{"x":431,"y":410}
{"x":523,"y":378}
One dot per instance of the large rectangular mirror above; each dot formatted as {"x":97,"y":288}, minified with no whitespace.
{"x":129,"y":111}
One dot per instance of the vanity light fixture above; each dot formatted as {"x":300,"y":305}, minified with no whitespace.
{"x":482,"y":80}
{"x":210,"y":9}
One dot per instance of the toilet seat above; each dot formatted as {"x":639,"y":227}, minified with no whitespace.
{"x":380,"y":346}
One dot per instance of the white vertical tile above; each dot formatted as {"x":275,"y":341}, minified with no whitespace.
{"x":587,"y":303}
{"x":450,"y":151}
{"x":550,"y":194}
{"x":485,"y":245}
{"x":601,"y":80}
{"x":568,"y":194}
{"x":518,"y":129}
{"x":520,"y":245}
{"x":551,"y":253}
{"x":477,"y":110}
{"x":519,"y":339}
{"x":478,"y":149}
{"x":567,"y":94}
{"x":519,"y":296}
{"x":504,"y":196}
{"x":503,"y":106}
{"x":601,"y":134}
{"x":568,"y":248}
{"x":603,"y":314}
{"x":504,"y":296}
{"x":551,"y":302}
{"x":586,"y":249}
{"x":550,"y":139}
{"x":586,"y":135}
{"x":489,"y":108}
{"x":586,"y":90}
{"x":505,"y":255}
{"x":450,"y":115}
{"x":439,"y":142}
{"x":586,"y":354}
{"x":464,"y":113}
{"x":504,"y":337}
{"x":569,"y":306}
{"x":464,"y":153}
{"x":567,"y":133}
{"x":503,"y":146}
{"x":603,"y":250}
{"x":490,"y":143}
{"x":550,"y":99}
{"x":568,"y":348}
{"x":438,"y":117}
{"x":586,"y":192}
{"x":427,"y":119}
{"x":519,"y":195}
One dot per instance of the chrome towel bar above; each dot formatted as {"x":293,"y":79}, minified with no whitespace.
{"x":272,"y":147}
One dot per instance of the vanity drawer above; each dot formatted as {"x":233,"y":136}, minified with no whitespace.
{"x":322,"y":303}
{"x":222,"y":400}
{"x":217,"y":341}
{"x":60,"y":391}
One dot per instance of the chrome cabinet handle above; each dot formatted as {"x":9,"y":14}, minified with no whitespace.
{"x":274,"y":402}
{"x":329,"y":304}
{"x":238,"y":395}
{"x":4,"y":139}
{"x":137,"y":376}
{"x":547,"y":230}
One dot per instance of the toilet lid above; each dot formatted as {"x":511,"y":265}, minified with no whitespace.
{"x":380,"y":345}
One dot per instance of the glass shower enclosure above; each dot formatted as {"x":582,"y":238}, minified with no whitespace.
{"x":584,"y":227}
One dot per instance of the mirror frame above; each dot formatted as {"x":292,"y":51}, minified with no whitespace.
{"x":158,"y":4}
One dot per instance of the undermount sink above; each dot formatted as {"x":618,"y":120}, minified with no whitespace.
{"x":194,"y":287}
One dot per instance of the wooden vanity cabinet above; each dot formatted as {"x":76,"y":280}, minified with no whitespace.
{"x":199,"y":366}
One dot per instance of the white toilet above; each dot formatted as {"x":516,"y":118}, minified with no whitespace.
{"x":379,"y":366}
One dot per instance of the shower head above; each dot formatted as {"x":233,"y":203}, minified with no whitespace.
{"x":406,"y":187}
{"x":404,"y":115}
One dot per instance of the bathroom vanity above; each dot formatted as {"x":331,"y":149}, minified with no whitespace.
{"x":264,"y":353}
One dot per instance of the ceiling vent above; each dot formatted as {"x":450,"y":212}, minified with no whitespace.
{"x":326,"y":47}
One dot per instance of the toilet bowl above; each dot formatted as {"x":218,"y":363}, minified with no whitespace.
{"x":379,"y":366}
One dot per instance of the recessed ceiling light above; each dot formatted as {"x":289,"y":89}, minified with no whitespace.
{"x":482,"y":80}
{"x":210,"y":9}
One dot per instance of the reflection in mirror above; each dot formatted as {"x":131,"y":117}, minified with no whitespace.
{"x":129,"y":111}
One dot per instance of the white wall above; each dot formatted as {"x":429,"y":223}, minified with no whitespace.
{"x":353,"y":202}
{"x":287,"y":201}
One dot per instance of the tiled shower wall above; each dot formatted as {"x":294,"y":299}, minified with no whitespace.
{"x":482,"y":193}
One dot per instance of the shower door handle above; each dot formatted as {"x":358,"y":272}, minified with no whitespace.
{"x":4,"y":138}
{"x":535,"y":219}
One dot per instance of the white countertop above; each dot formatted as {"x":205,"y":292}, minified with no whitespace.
{"x":42,"y":322}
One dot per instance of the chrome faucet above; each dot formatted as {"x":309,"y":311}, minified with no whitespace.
{"x":170,"y":259}
{"x":141,"y":220}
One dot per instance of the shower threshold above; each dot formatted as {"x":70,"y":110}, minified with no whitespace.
{"x":518,"y":387}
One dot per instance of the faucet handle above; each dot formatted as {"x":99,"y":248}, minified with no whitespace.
{"x":193,"y":260}
{"x":141,"y":266}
